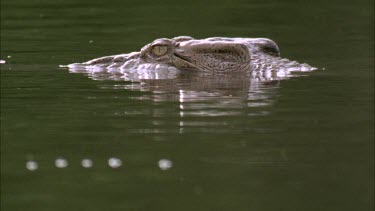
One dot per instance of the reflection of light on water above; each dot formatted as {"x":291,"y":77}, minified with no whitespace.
{"x":87,"y":163}
{"x":114,"y":162}
{"x":259,"y":113}
{"x":61,"y":163}
{"x":31,"y":165}
{"x":181,"y":95}
{"x":165,"y":164}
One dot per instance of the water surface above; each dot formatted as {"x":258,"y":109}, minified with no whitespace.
{"x":305,"y":143}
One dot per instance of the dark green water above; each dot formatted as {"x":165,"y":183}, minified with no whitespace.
{"x":306,"y":143}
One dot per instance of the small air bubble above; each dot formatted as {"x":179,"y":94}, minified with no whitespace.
{"x":87,"y":163}
{"x":165,"y":164}
{"x":61,"y":163}
{"x":114,"y":162}
{"x":31,"y":165}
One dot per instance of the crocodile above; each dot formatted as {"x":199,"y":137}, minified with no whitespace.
{"x":165,"y":58}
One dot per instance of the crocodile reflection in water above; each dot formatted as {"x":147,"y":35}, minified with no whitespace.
{"x":230,"y":71}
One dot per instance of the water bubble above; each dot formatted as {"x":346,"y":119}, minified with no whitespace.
{"x":9,"y":56}
{"x":61,"y":163}
{"x":91,"y":41}
{"x":87,"y":163}
{"x":31,"y":165}
{"x":114,"y":162}
{"x":165,"y":164}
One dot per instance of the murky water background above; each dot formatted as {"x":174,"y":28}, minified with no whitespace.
{"x":200,"y":144}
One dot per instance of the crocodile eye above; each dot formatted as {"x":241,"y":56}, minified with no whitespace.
{"x":159,"y":50}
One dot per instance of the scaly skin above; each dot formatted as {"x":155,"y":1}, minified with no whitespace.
{"x":258,"y":57}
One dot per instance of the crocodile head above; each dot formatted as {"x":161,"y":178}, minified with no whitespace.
{"x":203,"y":55}
{"x":217,"y":54}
